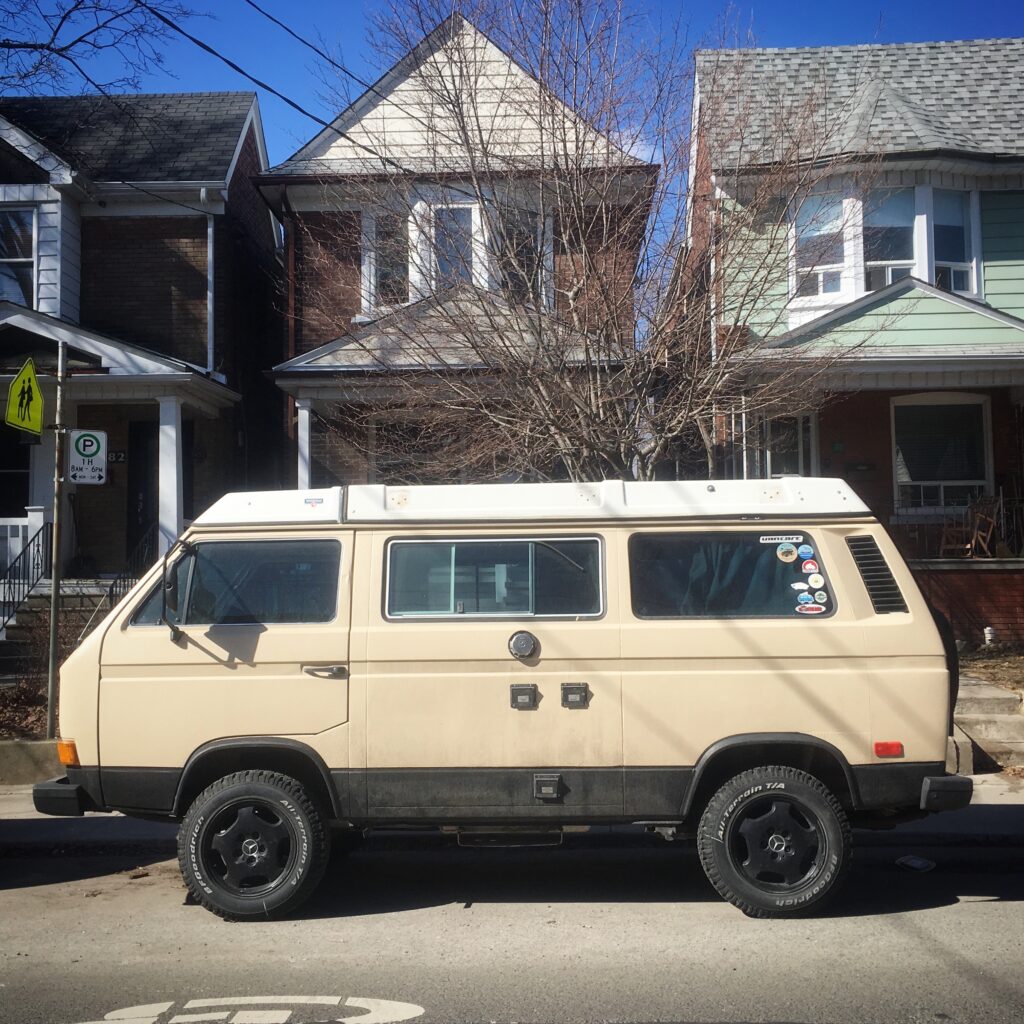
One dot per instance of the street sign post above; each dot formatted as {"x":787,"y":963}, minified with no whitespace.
{"x":25,"y":401}
{"x":87,"y":457}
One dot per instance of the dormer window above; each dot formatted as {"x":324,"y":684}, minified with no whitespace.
{"x":820,"y":249}
{"x":17,"y":257}
{"x":888,"y":236}
{"x":952,"y":241}
{"x":453,"y":245}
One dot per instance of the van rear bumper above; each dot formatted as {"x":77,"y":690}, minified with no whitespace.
{"x":922,"y":786}
{"x":63,"y":797}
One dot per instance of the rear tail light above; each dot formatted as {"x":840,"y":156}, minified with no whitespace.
{"x":889,"y":748}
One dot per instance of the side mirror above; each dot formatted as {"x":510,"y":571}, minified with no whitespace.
{"x":170,"y":597}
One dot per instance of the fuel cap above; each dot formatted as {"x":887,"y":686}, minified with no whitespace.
{"x":522,"y":644}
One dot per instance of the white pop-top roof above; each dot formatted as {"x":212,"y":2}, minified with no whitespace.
{"x":608,"y":499}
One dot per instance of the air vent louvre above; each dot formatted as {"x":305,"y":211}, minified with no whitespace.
{"x":882,"y":588}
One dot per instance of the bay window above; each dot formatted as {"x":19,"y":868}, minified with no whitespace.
{"x":391,"y":264}
{"x":820,"y":249}
{"x":952,"y":241}
{"x":453,"y":245}
{"x":888,"y":236}
{"x":941,"y":450}
{"x":518,"y":255}
{"x":17,"y":256}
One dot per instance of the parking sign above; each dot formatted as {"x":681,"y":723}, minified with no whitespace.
{"x":87,"y":457}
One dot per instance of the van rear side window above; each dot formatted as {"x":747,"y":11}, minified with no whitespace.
{"x":727,"y":575}
{"x":520,"y":578}
{"x":246,"y":582}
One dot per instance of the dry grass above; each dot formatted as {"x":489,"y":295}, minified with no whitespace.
{"x":1001,"y":664}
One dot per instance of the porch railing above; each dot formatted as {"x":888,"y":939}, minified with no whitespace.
{"x":141,"y":558}
{"x":19,"y":579}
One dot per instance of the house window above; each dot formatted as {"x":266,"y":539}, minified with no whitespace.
{"x":940,"y":452}
{"x":391,"y":265}
{"x":820,"y":251}
{"x":952,"y":241}
{"x":518,"y":255}
{"x":888,"y":237}
{"x":788,"y":446}
{"x":17,"y":257}
{"x":453,"y":245}
{"x":14,"y":474}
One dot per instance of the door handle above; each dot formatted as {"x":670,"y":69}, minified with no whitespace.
{"x":330,"y":671}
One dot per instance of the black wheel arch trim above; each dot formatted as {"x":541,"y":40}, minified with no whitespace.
{"x":254,"y":744}
{"x":755,"y":739}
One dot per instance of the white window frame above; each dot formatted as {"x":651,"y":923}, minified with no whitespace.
{"x":807,"y":455}
{"x":889,"y":265}
{"x":940,"y":398}
{"x":972,"y":231}
{"x":33,"y":261}
{"x":546,"y":249}
{"x":368,"y":305}
{"x":852,"y":249}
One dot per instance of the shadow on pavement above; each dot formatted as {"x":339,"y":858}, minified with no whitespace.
{"x":30,"y":872}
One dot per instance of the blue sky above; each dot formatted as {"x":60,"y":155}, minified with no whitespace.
{"x":264,"y":50}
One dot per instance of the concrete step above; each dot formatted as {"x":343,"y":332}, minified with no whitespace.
{"x":980,"y":698}
{"x":993,"y":727}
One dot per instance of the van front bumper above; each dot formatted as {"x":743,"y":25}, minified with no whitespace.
{"x":62,"y":797}
{"x":946,"y":792}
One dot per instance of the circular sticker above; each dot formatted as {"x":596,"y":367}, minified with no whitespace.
{"x":809,"y":566}
{"x":820,"y":596}
{"x":816,"y":580}
{"x":805,"y":551}
{"x":786,"y":552}
{"x":805,"y":598}
{"x":809,"y":609}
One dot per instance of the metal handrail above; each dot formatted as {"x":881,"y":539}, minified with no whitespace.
{"x":142,"y":556}
{"x":21,"y":576}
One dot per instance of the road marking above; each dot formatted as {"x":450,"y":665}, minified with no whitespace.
{"x":376,"y":1011}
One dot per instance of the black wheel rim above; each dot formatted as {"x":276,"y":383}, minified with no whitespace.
{"x":776,"y":843}
{"x":248,"y":848}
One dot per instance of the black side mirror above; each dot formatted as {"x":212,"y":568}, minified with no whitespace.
{"x":169,"y":595}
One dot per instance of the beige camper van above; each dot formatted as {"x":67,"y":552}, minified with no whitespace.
{"x":746,"y":662}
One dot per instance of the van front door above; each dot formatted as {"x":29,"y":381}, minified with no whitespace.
{"x":491,"y":679}
{"x":261,"y":650}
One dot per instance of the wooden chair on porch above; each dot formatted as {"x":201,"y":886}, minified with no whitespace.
{"x":973,"y":534}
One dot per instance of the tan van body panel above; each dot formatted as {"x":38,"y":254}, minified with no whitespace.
{"x":424,"y":701}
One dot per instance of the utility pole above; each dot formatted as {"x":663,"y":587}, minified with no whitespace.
{"x":55,"y":566}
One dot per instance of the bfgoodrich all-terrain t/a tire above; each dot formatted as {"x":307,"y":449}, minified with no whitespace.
{"x":774,"y":842}
{"x":252,"y":845}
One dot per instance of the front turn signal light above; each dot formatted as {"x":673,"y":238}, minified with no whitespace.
{"x":889,"y":748}
{"x":68,"y":753}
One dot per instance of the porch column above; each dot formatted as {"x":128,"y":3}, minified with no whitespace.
{"x":170,"y":503}
{"x":304,"y":408}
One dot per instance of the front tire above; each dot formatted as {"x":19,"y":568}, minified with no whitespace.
{"x":774,"y":842}
{"x":252,"y":845}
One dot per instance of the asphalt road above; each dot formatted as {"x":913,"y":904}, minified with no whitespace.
{"x":605,"y":929}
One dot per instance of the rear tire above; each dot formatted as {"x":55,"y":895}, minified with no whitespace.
{"x":252,"y":845}
{"x":774,"y":842}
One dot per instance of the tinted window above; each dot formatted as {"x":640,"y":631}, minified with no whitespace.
{"x":233,"y":582}
{"x":727,"y":575}
{"x":501,"y":577}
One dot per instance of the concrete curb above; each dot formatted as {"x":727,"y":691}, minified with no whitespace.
{"x":23,"y":762}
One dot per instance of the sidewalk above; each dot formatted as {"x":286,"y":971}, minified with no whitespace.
{"x":995,"y":818}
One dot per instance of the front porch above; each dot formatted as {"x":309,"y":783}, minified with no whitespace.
{"x":170,"y":435}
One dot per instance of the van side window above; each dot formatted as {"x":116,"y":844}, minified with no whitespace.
{"x":494,"y":577}
{"x":727,"y":575}
{"x":260,"y":581}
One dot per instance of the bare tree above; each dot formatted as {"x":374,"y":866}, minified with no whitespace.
{"x":559,"y":286}
{"x":51,"y":46}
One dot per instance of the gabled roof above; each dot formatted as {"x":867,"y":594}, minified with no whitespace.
{"x":394,"y":125}
{"x":964,"y":97}
{"x":181,"y":137}
{"x":908,"y":320}
{"x":423,"y":336}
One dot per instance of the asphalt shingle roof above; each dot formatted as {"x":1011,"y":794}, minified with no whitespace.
{"x":188,"y":136}
{"x":960,"y":97}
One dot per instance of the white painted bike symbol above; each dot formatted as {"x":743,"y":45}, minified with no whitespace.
{"x":267,"y":1010}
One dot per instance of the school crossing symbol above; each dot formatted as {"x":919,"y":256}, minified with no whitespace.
{"x":25,"y":401}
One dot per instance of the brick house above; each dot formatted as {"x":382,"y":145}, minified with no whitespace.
{"x":130,"y":229}
{"x":914,"y":288}
{"x":397,"y":228}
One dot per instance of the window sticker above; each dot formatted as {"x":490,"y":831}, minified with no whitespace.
{"x":815,"y":580}
{"x":805,"y":598}
{"x":810,"y":565}
{"x":786,"y":552}
{"x":820,"y":596}
{"x":781,"y":538}
{"x":800,"y":585}
{"x":805,"y":551}
{"x":810,"y":609}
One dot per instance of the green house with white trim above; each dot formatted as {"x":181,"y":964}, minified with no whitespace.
{"x":903,"y":297}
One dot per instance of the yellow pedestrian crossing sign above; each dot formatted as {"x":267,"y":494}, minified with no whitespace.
{"x":25,"y":401}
